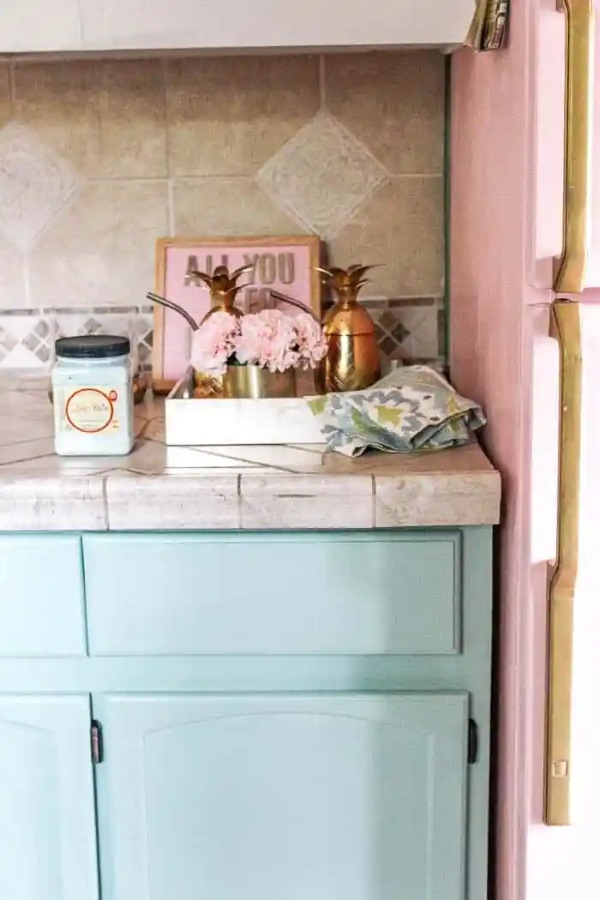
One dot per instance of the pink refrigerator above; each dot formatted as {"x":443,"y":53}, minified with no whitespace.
{"x":525,"y":342}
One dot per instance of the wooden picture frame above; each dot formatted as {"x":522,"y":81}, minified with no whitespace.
{"x":285,"y":264}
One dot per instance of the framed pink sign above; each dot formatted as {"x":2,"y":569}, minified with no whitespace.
{"x":283,"y":264}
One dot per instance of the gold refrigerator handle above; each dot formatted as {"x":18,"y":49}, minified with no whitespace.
{"x":566,"y":328}
{"x":570,"y":272}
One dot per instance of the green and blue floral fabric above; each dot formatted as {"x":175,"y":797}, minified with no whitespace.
{"x":412,"y":408}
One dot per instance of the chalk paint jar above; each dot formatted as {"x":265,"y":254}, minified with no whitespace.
{"x":93,"y":398}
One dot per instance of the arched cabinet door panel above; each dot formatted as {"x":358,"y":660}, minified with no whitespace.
{"x":47,"y":817}
{"x":287,"y":797}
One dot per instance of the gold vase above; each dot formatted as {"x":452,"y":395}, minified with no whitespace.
{"x":353,"y":361}
{"x":250,"y":382}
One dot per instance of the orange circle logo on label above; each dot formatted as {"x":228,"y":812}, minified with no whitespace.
{"x":89,"y":410}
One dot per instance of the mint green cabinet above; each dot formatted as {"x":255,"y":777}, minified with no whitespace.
{"x":47,"y":818}
{"x":332,"y":797}
{"x":283,"y":715}
{"x":41,"y":596}
{"x":275,"y":593}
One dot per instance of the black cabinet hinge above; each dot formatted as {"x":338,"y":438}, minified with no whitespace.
{"x":97,"y":742}
{"x":472,"y":742}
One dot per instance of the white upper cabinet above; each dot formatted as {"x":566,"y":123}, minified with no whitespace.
{"x":262,"y":24}
{"x":37,"y":26}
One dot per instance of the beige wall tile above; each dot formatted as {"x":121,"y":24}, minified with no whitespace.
{"x":249,"y":154}
{"x":228,"y":206}
{"x":106,"y":117}
{"x":322,"y":176}
{"x":401,"y":226}
{"x":5,"y":101}
{"x":12,"y":277}
{"x":36,"y":183}
{"x":100,"y":249}
{"x":228,"y":115}
{"x":394,"y":103}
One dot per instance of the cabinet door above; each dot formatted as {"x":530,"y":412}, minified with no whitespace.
{"x":37,"y":25}
{"x":47,"y":819}
{"x":327,"y":797}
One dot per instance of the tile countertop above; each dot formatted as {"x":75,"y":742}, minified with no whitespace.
{"x":160,"y":488}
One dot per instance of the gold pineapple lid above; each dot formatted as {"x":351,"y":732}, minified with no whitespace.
{"x":223,"y":288}
{"x":346,"y":316}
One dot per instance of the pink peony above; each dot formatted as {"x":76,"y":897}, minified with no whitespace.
{"x":269,"y":338}
{"x":214,"y":343}
{"x":312,"y":345}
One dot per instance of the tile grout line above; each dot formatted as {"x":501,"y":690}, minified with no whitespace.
{"x":170,"y":179}
{"x":373,"y":502}
{"x":111,"y":309}
{"x":322,"y":89}
{"x":236,"y":176}
{"x":12,"y":92}
{"x":170,"y":206}
{"x":240,"y":514}
{"x":104,"y":490}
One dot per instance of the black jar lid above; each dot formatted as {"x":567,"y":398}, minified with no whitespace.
{"x":92,"y":346}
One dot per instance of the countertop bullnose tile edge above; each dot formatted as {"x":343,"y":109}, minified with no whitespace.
{"x":225,"y":488}
{"x":438,"y":500}
{"x":298,"y":501}
{"x":448,"y":499}
{"x":52,"y":504}
{"x":175,"y":501}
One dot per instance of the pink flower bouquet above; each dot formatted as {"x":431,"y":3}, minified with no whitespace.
{"x":270,"y":339}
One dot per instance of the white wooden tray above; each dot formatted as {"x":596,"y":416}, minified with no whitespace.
{"x":194,"y":423}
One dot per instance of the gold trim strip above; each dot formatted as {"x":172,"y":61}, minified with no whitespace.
{"x":566,"y":327}
{"x":570,"y":274}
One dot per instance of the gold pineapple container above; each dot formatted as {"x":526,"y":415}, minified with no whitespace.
{"x":353,"y":361}
{"x":224,"y":288}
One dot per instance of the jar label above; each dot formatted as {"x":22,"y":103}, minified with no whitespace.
{"x":90,"y":410}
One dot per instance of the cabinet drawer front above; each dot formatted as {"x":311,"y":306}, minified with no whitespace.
{"x":41,"y":596}
{"x":274,"y":593}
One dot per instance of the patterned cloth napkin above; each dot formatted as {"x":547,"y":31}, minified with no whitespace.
{"x":412,"y":408}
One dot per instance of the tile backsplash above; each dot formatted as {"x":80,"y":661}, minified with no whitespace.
{"x":98,"y":158}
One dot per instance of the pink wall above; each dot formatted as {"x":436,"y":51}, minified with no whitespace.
{"x":506,"y":225}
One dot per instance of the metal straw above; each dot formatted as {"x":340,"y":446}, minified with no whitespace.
{"x":175,"y":307}
{"x":297,"y":303}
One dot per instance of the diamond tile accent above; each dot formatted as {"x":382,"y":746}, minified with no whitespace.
{"x":322,"y":175}
{"x":406,"y":329}
{"x":28,"y":339}
{"x":34,"y":184}
{"x":7,"y":342}
{"x":91,"y":326}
